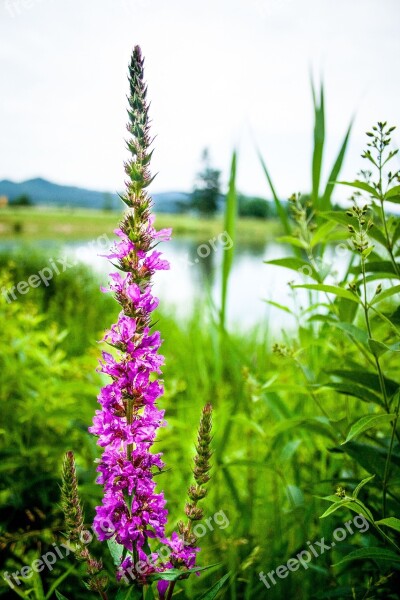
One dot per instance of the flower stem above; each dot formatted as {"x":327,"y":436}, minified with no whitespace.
{"x":377,"y":363}
{"x":171,"y":590}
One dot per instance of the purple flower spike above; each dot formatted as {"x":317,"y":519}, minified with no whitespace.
{"x":132,"y":511}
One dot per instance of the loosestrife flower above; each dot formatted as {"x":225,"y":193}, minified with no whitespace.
{"x":133,"y":512}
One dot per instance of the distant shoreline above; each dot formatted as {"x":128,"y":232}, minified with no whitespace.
{"x":32,"y":224}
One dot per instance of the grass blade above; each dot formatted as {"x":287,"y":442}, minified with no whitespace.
{"x":230,"y":230}
{"x":212,"y":592}
{"x":279,"y":208}
{"x":319,"y":139}
{"x":326,"y":198}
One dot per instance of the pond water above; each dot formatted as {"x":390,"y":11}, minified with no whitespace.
{"x":195,"y":277}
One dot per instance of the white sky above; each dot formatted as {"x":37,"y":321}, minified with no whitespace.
{"x":221,"y":73}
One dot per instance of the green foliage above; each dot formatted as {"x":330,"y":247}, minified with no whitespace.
{"x":307,"y":430}
{"x":259,"y":208}
{"x":71,"y":299}
{"x":360,"y":397}
{"x":22,"y":200}
{"x":47,"y":402}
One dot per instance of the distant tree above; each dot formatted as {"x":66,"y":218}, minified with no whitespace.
{"x":23,"y":200}
{"x":207,"y":188}
{"x":258,"y":208}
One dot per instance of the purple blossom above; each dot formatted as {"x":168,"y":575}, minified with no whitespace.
{"x":132,"y":510}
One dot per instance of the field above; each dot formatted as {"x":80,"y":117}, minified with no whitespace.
{"x":31,"y":224}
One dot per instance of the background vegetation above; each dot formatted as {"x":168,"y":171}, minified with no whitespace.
{"x":295,"y":417}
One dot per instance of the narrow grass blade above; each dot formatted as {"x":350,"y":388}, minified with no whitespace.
{"x":230,"y":230}
{"x":59,"y":580}
{"x":319,"y":140}
{"x":279,"y":208}
{"x":212,"y":592}
{"x":326,"y":198}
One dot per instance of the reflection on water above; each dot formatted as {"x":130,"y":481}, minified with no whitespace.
{"x":195,"y":276}
{"x":196,"y":273}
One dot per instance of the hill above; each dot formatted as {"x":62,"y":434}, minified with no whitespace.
{"x":43,"y":192}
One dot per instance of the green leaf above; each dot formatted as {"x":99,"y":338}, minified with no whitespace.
{"x":382,"y":266}
{"x":393,"y":195}
{"x":212,"y":592}
{"x":334,"y":507}
{"x":331,"y":289}
{"x":60,"y":596}
{"x":116,"y":551}
{"x":379,"y":348}
{"x":337,"y":216}
{"x":355,"y":332}
{"x":366,"y":379}
{"x":295,"y":264}
{"x":319,"y":140}
{"x":149,"y":595}
{"x":361,"y":185}
{"x":386,"y":294}
{"x":356,"y":390}
{"x":396,"y":233}
{"x":279,"y":208}
{"x":378,"y":235}
{"x":391,"y":522}
{"x":395,"y":316}
{"x":322,"y":233}
{"x":280,"y":306}
{"x":174,"y":574}
{"x":59,"y":580}
{"x":334,"y":174}
{"x":294,"y":241}
{"x":371,"y":457}
{"x":357,"y":507}
{"x":365,"y":423}
{"x":359,"y":487}
{"x":373,"y":553}
{"x":347,"y":310}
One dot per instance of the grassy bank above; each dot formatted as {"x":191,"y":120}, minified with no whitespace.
{"x":65,"y":224}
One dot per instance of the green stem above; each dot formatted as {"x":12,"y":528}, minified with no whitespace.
{"x":389,"y":457}
{"x":388,"y":242}
{"x":313,"y":396}
{"x":383,"y":534}
{"x":377,"y":363}
{"x":129,"y":419}
{"x":171,"y":590}
{"x":381,"y":199}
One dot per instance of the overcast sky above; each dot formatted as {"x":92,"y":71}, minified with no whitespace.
{"x":221,"y":73}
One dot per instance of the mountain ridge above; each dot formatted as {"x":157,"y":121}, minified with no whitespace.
{"x":44,"y":192}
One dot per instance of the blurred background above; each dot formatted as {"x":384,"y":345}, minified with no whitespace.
{"x":222,"y":76}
